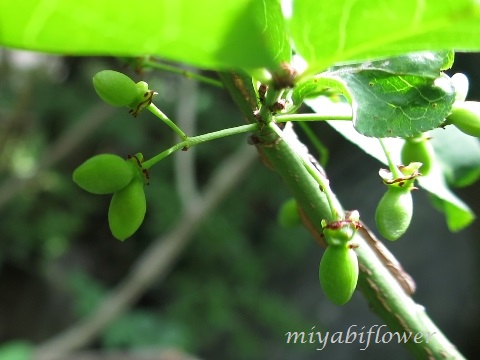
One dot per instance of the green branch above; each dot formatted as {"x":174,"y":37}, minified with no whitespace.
{"x":336,"y":210}
{"x":383,"y":291}
{"x":195,"y":140}
{"x":158,"y":113}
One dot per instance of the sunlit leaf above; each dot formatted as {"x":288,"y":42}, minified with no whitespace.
{"x":326,"y":33}
{"x":209,"y":34}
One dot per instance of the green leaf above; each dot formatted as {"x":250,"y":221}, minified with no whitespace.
{"x":211,"y":34}
{"x":309,"y":88}
{"x":457,"y":214}
{"x":325,"y":33}
{"x":460,"y":164}
{"x":424,"y":64}
{"x":402,"y":96}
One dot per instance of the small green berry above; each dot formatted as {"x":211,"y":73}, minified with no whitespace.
{"x":127,"y":209}
{"x":394,"y":211}
{"x":103,"y":174}
{"x":418,"y":149}
{"x":288,"y":215}
{"x":338,"y":273}
{"x":466,"y":117}
{"x":115,"y":88}
{"x":118,"y":89}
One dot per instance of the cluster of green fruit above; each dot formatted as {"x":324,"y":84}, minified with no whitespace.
{"x":394,"y":212}
{"x":111,"y":174}
{"x":125,"y":179}
{"x":338,"y":271}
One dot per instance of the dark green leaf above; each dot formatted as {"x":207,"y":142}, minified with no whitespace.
{"x":326,"y":33}
{"x":402,"y":96}
{"x":424,"y":64}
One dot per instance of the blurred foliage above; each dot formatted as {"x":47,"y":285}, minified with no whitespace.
{"x":16,"y":350}
{"x":227,"y":296}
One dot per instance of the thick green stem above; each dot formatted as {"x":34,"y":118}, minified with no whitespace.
{"x":336,"y":211}
{"x":272,"y":96}
{"x":380,"y":287}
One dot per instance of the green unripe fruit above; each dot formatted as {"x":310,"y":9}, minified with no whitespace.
{"x":288,"y":216}
{"x":115,"y":88}
{"x":104,"y":174}
{"x":466,"y":117}
{"x":394,"y":212}
{"x":338,"y":273}
{"x":340,"y":232}
{"x":418,"y":149}
{"x":127,"y":209}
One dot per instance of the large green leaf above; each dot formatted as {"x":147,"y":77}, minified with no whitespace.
{"x":209,"y":34}
{"x":402,"y":96}
{"x":326,"y":33}
{"x":457,"y":214}
{"x":459,"y":156}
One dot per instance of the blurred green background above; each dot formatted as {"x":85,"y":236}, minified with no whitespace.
{"x":242,"y":282}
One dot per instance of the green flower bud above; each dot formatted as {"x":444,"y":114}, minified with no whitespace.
{"x":418,"y":149}
{"x":466,"y":117}
{"x":338,"y":273}
{"x":127,"y":209}
{"x":288,"y":216}
{"x":394,"y":211}
{"x":103,"y":174}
